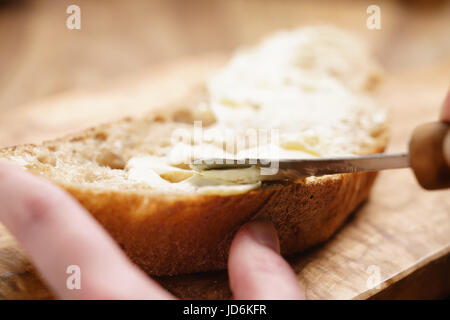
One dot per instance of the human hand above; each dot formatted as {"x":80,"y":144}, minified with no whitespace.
{"x":57,"y":232}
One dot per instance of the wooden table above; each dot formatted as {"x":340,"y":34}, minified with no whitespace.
{"x":402,"y":234}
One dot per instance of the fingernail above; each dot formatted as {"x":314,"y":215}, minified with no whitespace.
{"x":264,"y":233}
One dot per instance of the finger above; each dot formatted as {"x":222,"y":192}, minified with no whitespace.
{"x":255,"y":267}
{"x":445,"y":113}
{"x":57,"y":232}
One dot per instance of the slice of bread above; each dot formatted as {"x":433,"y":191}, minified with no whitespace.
{"x":314,"y":85}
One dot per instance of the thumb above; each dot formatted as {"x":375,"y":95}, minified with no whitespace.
{"x":255,"y":267}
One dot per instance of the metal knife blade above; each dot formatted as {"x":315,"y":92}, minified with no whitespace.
{"x":314,"y":166}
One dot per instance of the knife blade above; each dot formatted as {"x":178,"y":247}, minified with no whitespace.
{"x":428,"y":156}
{"x":314,"y":166}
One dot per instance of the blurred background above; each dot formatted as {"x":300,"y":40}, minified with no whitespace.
{"x":130,"y":56}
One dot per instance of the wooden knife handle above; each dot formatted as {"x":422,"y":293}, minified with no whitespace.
{"x":426,"y":155}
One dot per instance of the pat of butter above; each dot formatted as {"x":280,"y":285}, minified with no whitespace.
{"x":153,"y":172}
{"x":208,"y":185}
{"x":242,"y":175}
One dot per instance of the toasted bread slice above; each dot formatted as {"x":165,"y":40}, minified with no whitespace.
{"x":166,"y":223}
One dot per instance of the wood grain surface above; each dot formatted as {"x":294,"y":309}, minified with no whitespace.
{"x":402,"y":232}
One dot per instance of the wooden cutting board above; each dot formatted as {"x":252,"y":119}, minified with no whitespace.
{"x":395,"y":246}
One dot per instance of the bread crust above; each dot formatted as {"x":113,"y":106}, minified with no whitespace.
{"x":169,"y":235}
